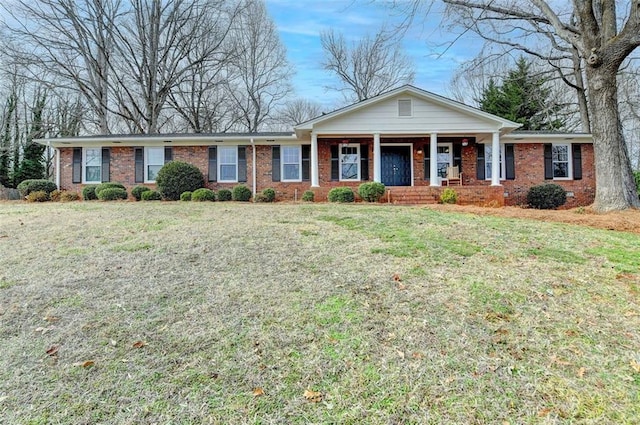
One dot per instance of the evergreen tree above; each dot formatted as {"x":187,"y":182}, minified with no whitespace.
{"x":32,"y":164}
{"x":523,"y":98}
{"x":5,"y":142}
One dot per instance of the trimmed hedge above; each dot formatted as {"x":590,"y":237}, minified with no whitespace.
{"x":89,"y":192}
{"x":112,"y":194}
{"x":108,"y":185}
{"x":203,"y":195}
{"x":36,"y":185}
{"x":308,"y":196}
{"x":241,"y":193}
{"x":224,"y":195}
{"x":37,"y":196}
{"x":371,"y":191}
{"x":341,"y":194}
{"x":151,"y":195}
{"x":186,"y":196}
{"x":176,"y":177}
{"x":546,"y":196}
{"x":138,"y":191}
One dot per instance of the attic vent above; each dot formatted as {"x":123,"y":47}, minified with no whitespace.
{"x":404,"y":107}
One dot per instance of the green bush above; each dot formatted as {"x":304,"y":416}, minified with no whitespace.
{"x":546,"y":196}
{"x":448,"y":196}
{"x":36,"y":185}
{"x":308,"y":196}
{"x":89,"y":192}
{"x":224,"y":195}
{"x":637,"y":177}
{"x":269,"y":195}
{"x":109,"y":185}
{"x":138,"y":191}
{"x":341,"y":194}
{"x":203,"y":194}
{"x":371,"y":191}
{"x":176,"y":177}
{"x":112,"y":194}
{"x":241,"y":193}
{"x":37,"y":196}
{"x":151,"y":195}
{"x":186,"y":196}
{"x":67,"y":196}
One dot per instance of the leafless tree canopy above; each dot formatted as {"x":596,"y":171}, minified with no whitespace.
{"x":367,"y":68}
{"x":298,"y":111}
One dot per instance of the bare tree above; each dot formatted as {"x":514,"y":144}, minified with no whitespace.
{"x":297,"y":111}
{"x":259,"y":76}
{"x":368,"y":68}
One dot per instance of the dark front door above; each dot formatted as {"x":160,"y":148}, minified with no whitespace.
{"x":395,"y":162}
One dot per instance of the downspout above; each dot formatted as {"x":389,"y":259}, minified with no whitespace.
{"x":253,"y":167}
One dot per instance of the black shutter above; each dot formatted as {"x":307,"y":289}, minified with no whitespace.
{"x":106,"y":160}
{"x":480,"y":162}
{"x":364,"y":161}
{"x":138,"y":157}
{"x":275,"y":163}
{"x":548,"y":161}
{"x":510,"y":163}
{"x":213,"y":164}
{"x":168,"y":154}
{"x":306,"y":162}
{"x":427,"y":162}
{"x":242,"y":164}
{"x":457,"y":156}
{"x":577,"y":161}
{"x":335,"y":163}
{"x":77,"y":166}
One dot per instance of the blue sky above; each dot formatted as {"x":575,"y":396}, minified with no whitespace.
{"x":300,"y":22}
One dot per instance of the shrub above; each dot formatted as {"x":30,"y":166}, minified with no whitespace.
{"x":38,"y":196}
{"x":55,"y":195}
{"x":269,"y":195}
{"x":203,"y":194}
{"x":176,"y":177}
{"x":308,"y":196}
{"x":112,"y":194}
{"x":36,"y":185}
{"x":89,"y":192}
{"x":138,"y":191}
{"x":224,"y":195}
{"x":448,"y":196}
{"x":241,"y":193}
{"x":637,"y":177}
{"x":546,"y":196}
{"x":186,"y":196}
{"x":341,"y":194}
{"x":260,"y":198}
{"x":151,"y":195}
{"x":109,"y":185}
{"x":371,"y":192}
{"x":66,"y":196}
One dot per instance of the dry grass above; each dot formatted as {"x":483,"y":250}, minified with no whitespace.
{"x":384,"y":314}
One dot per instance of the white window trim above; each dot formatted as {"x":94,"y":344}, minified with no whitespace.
{"x":220,"y":164}
{"x":569,"y":161}
{"x":282,"y":163}
{"x":358,"y":161}
{"x":503,"y":162}
{"x":146,"y":162}
{"x":84,"y":166}
{"x":410,"y":108}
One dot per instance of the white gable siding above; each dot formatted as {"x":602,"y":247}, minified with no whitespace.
{"x":426,"y":117}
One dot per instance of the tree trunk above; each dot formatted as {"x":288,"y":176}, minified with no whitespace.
{"x":615,"y":188}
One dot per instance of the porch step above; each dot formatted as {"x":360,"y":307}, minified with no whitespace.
{"x":410,"y":196}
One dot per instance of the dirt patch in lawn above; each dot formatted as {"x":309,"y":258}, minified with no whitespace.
{"x":625,"y":221}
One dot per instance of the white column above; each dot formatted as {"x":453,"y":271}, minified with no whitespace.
{"x":433,"y":156}
{"x":495,"y":159}
{"x":57,"y":154}
{"x":253,"y":167}
{"x":377,"y":164}
{"x":315,"y":181}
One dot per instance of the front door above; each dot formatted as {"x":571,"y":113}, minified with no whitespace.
{"x":395,"y":162}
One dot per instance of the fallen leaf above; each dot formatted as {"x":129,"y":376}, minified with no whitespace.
{"x":313,"y":396}
{"x":416,"y":355}
{"x":139,"y":344}
{"x":630,"y":314}
{"x":51,"y":319}
{"x":544,"y":412}
{"x":53,"y":350}
{"x":635,"y":365}
{"x":400,"y":354}
{"x":88,"y":363}
{"x":257,"y":392}
{"x":581,"y":372}
{"x":113,"y":342}
{"x":396,"y":277}
{"x":401,"y":286}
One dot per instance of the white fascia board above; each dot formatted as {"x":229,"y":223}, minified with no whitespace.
{"x":166,"y":140}
{"x":548,"y":137}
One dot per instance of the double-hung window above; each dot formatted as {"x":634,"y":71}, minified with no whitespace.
{"x":92,"y":165}
{"x":154,"y":160}
{"x":228,"y":164}
{"x":350,"y":162}
{"x":488,"y":161}
{"x":561,"y":159}
{"x":291,"y":163}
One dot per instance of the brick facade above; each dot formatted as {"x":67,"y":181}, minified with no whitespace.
{"x":529,"y":171}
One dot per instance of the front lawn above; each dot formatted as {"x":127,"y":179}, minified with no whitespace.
{"x":223,"y":313}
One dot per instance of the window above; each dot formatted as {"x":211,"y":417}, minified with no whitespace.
{"x":444,"y":158}
{"x":488,"y":160}
{"x":228,"y":164}
{"x":154,"y":160}
{"x":291,"y":163}
{"x":92,"y":165}
{"x":561,"y":161}
{"x":404,"y":108}
{"x":349,"y":160}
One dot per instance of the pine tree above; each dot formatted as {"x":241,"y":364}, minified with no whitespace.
{"x":32,"y":164}
{"x":5,"y":142}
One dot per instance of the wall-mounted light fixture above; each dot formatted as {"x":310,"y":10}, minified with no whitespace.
{"x":465,"y":142}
